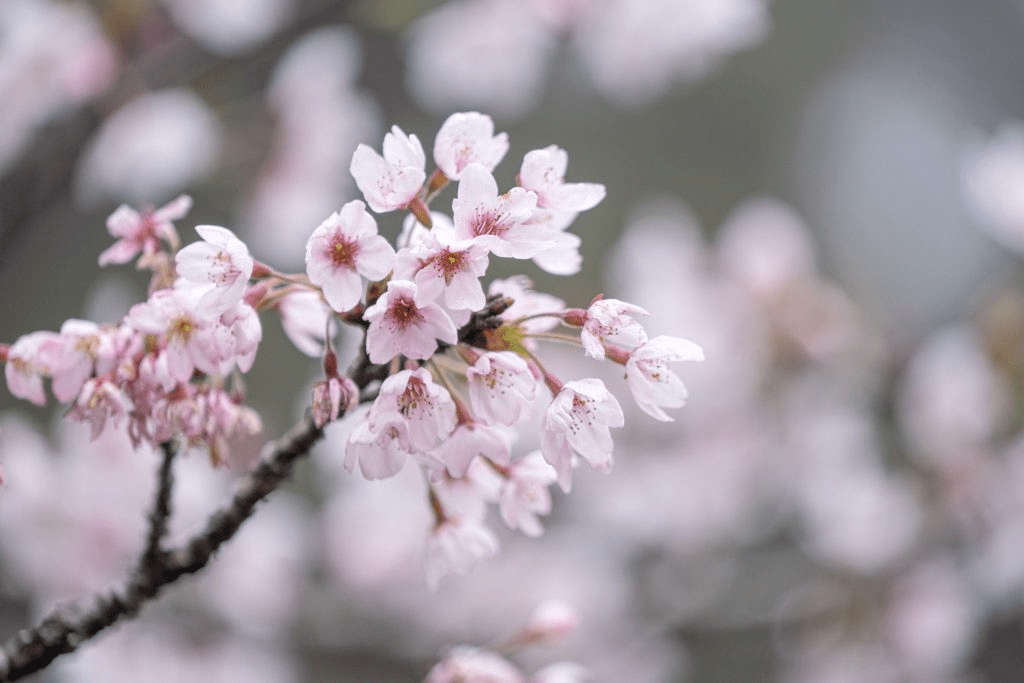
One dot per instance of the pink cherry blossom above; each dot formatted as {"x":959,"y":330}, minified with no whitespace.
{"x":543,"y":172}
{"x":393,"y":180}
{"x":611,"y":320}
{"x":470,"y":439}
{"x":217,"y":268}
{"x":25,"y":370}
{"x":440,"y":265}
{"x":456,"y":545}
{"x":379,"y":454}
{"x":501,"y":387}
{"x":465,"y":138}
{"x":525,"y":494}
{"x":578,"y":421}
{"x":500,"y":222}
{"x":527,"y":303}
{"x":98,"y":401}
{"x":423,"y":409}
{"x":185,"y":336}
{"x":143,"y":232}
{"x":654,"y":386}
{"x":398,"y":325}
{"x":332,"y":397}
{"x":81,"y":349}
{"x":343,"y":248}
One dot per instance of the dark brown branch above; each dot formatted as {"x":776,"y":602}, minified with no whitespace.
{"x":64,"y":629}
{"x":161,"y":511}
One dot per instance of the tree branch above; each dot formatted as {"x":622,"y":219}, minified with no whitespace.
{"x":68,"y":626}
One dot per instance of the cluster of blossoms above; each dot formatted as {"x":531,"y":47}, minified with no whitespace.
{"x":449,"y":369}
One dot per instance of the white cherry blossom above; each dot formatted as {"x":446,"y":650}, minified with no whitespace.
{"x":579,"y":421}
{"x":501,"y":387}
{"x":543,"y":172}
{"x":465,"y":138}
{"x":525,"y":494}
{"x":393,"y":180}
{"x":500,"y":222}
{"x":218,"y":268}
{"x":611,"y":320}
{"x":653,"y":384}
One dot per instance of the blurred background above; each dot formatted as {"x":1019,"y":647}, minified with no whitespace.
{"x":827,"y":196}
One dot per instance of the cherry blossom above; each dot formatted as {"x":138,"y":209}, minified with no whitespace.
{"x":343,"y":248}
{"x":218,"y":269}
{"x":501,"y":387}
{"x":393,"y":180}
{"x":98,"y":401}
{"x":304,"y":317}
{"x":439,"y":264}
{"x":500,"y":222}
{"x":379,"y":454}
{"x":142,"y":233}
{"x":455,"y":546}
{"x":468,"y":440}
{"x":654,"y":386}
{"x":331,"y":397}
{"x":543,"y":172}
{"x":398,"y":325}
{"x":24,"y":369}
{"x":525,"y":495}
{"x":578,"y":421}
{"x":424,"y":410}
{"x":609,"y":320}
{"x":81,"y":349}
{"x":466,"y":138}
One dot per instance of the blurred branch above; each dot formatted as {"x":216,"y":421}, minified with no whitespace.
{"x":44,"y":174}
{"x":161,"y":505}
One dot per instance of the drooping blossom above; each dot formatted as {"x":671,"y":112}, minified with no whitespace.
{"x":500,"y":222}
{"x":611,"y":320}
{"x":455,"y":546}
{"x":393,"y":180}
{"x":218,"y":268}
{"x":379,"y":454}
{"x":468,"y":440}
{"x":98,"y":401}
{"x":342,"y":250}
{"x":501,"y":387}
{"x":466,"y":138}
{"x":142,"y":233}
{"x":332,"y":397}
{"x":524,"y":495}
{"x":398,"y":325}
{"x":423,"y":410}
{"x":653,"y":384}
{"x":579,"y":421}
